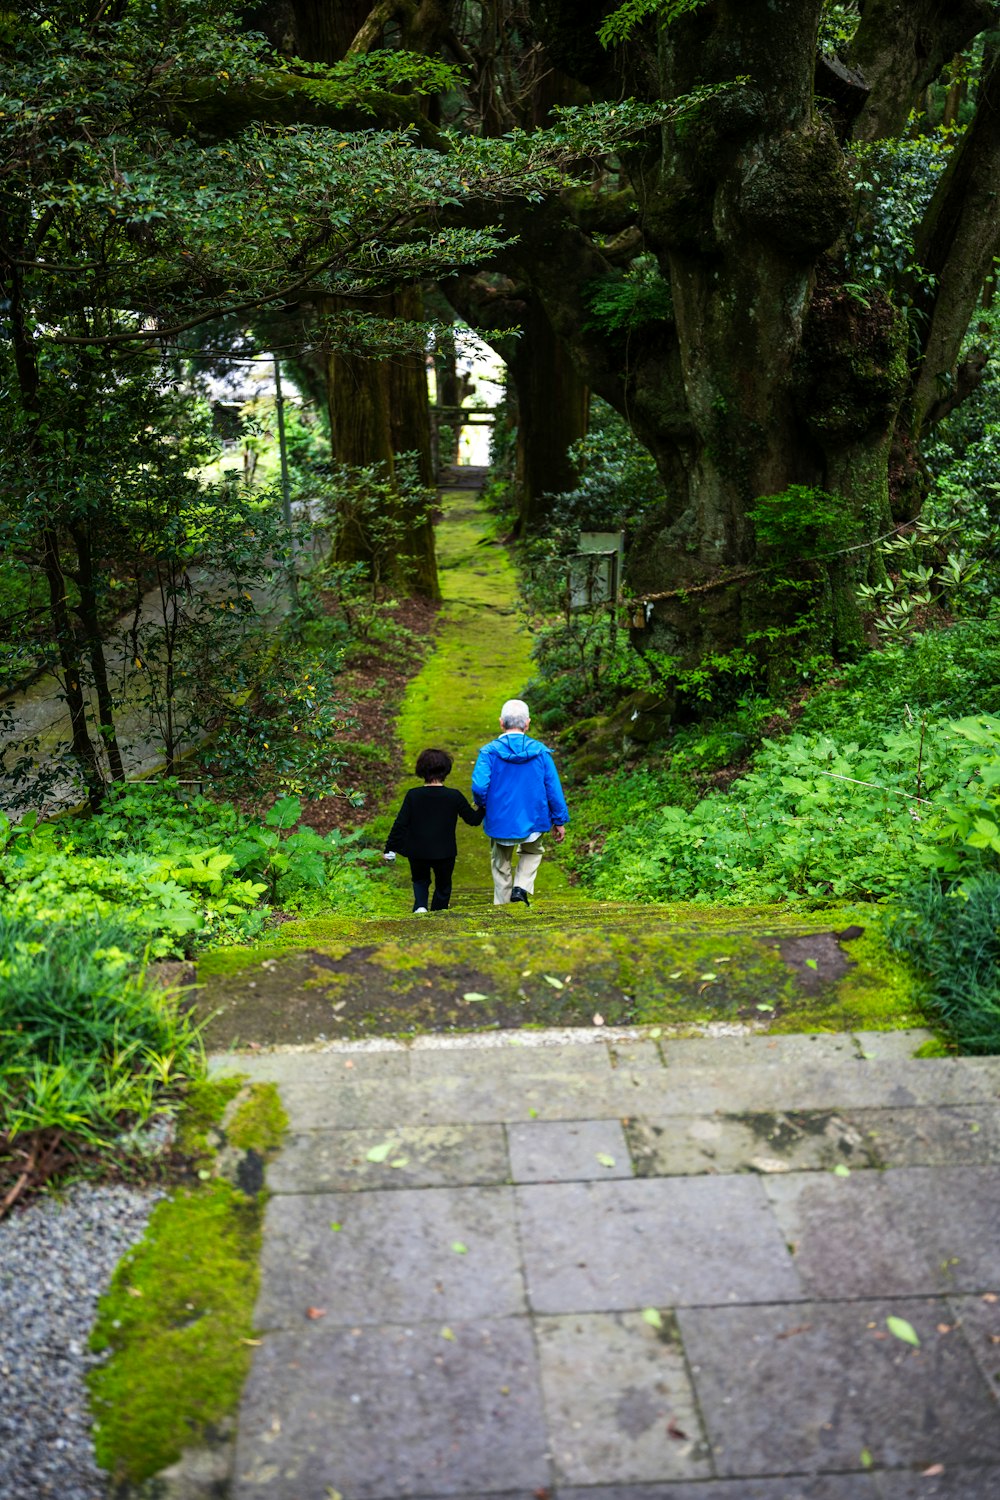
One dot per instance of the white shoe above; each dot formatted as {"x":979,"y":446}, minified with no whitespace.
{"x":420,"y":911}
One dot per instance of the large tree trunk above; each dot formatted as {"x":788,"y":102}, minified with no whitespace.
{"x":379,"y":409}
{"x":552,"y":405}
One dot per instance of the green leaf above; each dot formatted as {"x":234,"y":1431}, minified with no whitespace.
{"x":446,"y":1333}
{"x":556,"y":984}
{"x":652,"y":1316}
{"x":400,"y":1161}
{"x":841,"y":1171}
{"x":474,"y":995}
{"x":605,"y":1160}
{"x":459,"y":1248}
{"x":335,"y":1226}
{"x":381,"y":1152}
{"x":812,"y":963}
{"x":901,"y":1329}
{"x":866,"y":1458}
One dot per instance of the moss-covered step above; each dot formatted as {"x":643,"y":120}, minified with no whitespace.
{"x":498,"y":969}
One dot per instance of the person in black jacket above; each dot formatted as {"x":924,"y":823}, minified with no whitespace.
{"x":424,"y":830}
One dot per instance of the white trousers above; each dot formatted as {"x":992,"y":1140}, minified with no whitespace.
{"x":529,"y":857}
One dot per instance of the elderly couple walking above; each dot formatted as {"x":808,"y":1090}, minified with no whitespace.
{"x":517,"y":796}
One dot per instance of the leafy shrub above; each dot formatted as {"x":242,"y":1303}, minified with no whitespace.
{"x":953,"y":935}
{"x":865,"y":788}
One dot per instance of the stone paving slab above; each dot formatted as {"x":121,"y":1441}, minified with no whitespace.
{"x":891,"y":1046}
{"x":958,"y":1135}
{"x":451,"y":1101}
{"x":955,"y":1211}
{"x":666,"y":1242}
{"x":811,"y":1387}
{"x":847,"y":1236}
{"x":980,"y":1322}
{"x":392,"y":1259}
{"x":556,"y":1151}
{"x":813,"y":1049}
{"x":332,"y":1161}
{"x":393,"y":1411}
{"x":820,"y":1487}
{"x":803,"y":1140}
{"x":955,"y":1484}
{"x":619,"y":1400}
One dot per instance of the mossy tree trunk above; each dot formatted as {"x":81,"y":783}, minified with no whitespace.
{"x":552,"y":403}
{"x":772,"y":373}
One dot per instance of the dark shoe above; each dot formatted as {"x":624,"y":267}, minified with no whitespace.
{"x":517,"y":894}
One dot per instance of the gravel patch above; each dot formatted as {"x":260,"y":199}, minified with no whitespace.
{"x":56,"y":1259}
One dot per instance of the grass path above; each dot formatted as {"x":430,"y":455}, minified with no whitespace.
{"x":482,"y":656}
{"x":567,"y":960}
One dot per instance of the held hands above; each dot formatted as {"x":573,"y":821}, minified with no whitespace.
{"x":389,"y":856}
{"x":559,"y":832}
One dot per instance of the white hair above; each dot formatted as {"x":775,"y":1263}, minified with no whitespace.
{"x":514,"y":714}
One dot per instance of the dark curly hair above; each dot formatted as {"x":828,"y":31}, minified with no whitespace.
{"x":433,"y":765}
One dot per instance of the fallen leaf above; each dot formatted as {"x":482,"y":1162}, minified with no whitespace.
{"x":934,"y":1469}
{"x":134,"y":1291}
{"x":841,"y":1171}
{"x":605,"y":1160}
{"x":598,"y":1018}
{"x":446,"y":1333}
{"x":254,"y":1343}
{"x":901,"y":1329}
{"x":474,"y":995}
{"x":765,"y":1007}
{"x":542,"y":1494}
{"x":790,"y":1332}
{"x":401,"y":1161}
{"x":526,"y":973}
{"x":556,"y":984}
{"x":656,"y":1032}
{"x":812,"y":963}
{"x":381,"y":1152}
{"x":348,"y":1064}
{"x":677,"y":974}
{"x":653,"y":1317}
{"x":990,"y":1297}
{"x":335,"y":1226}
{"x":946,"y":1327}
{"x":459,"y":1248}
{"x":974,"y":1127}
{"x":315,"y":1312}
{"x":204,"y":1174}
{"x":532,"y":1114}
{"x":332,"y":1494}
{"x":676,"y":1432}
{"x":708,"y":977}
{"x":866,"y":1458}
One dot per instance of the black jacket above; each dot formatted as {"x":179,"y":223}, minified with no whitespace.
{"x":425,"y":824}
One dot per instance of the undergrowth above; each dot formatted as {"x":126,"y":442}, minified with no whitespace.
{"x":952,"y":934}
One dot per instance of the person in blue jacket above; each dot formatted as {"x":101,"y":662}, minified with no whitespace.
{"x":516,"y":781}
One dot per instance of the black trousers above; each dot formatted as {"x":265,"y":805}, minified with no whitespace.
{"x":420,"y":874}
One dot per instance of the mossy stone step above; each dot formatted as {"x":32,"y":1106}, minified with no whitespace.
{"x":502,"y":969}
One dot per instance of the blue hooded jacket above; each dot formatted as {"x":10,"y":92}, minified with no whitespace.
{"x":515,"y":779}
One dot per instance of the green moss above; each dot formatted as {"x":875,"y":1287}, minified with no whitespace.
{"x":177,"y":1321}
{"x":176,"y":1325}
{"x":204,"y":1106}
{"x":258,"y":1122}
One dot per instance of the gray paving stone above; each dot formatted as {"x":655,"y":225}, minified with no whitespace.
{"x":607,"y":1246}
{"x":807,"y":1388}
{"x":392,"y":1258}
{"x":329,"y":1066}
{"x":500,"y":1062}
{"x":955,"y":1213}
{"x":892,"y":1046}
{"x":847,"y":1237}
{"x":392,"y":1412}
{"x":451,"y":1101}
{"x":331,"y":1161}
{"x":859,"y":1486}
{"x":820,"y":1048}
{"x":638,"y":1054}
{"x":955,"y":1135}
{"x":619,"y":1401}
{"x":799,"y":1140}
{"x":955,"y":1484}
{"x":568,"y":1151}
{"x":979,"y":1318}
{"x":811,"y":1086}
